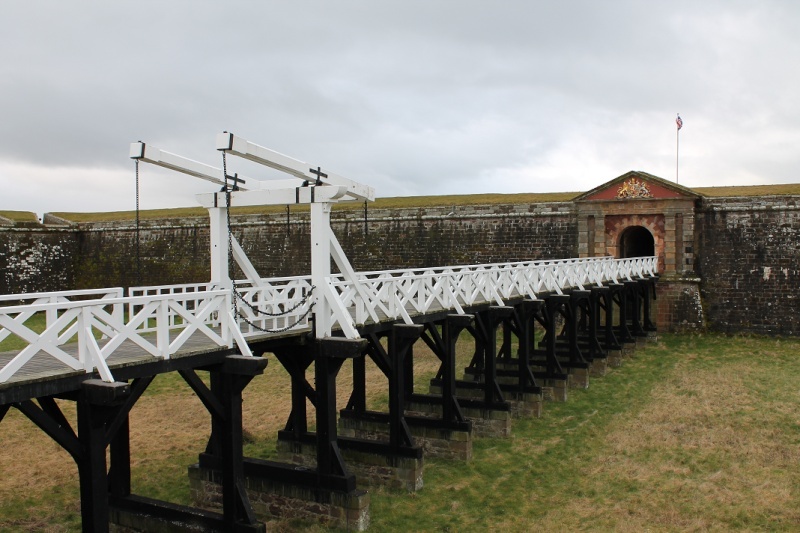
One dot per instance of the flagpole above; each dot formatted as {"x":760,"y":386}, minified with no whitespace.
{"x":679,"y":123}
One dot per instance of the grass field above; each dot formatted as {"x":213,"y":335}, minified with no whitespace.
{"x":696,"y":433}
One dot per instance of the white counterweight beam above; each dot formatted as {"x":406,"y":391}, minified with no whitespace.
{"x":264,"y":156}
{"x":150,"y":154}
{"x":295,"y":195}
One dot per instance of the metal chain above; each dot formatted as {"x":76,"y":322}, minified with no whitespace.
{"x":267,"y":313}
{"x":231,"y":275}
{"x":280,"y":330}
{"x":138,"y":236}
{"x":236,"y":294}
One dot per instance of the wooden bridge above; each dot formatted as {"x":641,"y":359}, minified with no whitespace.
{"x":534,"y":324}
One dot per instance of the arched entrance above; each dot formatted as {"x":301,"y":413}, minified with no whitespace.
{"x":636,"y":241}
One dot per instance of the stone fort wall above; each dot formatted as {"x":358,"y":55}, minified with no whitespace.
{"x":749,"y":264}
{"x":91,"y":255}
{"x":746,"y":251}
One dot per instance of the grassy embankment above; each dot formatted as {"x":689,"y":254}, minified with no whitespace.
{"x":400,"y":202}
{"x":696,"y":433}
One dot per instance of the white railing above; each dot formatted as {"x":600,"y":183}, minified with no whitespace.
{"x":100,"y":327}
{"x":270,"y":306}
{"x":51,"y":314}
{"x":400,"y":294}
{"x":160,"y":320}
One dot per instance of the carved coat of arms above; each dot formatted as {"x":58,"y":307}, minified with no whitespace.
{"x":633,"y":188}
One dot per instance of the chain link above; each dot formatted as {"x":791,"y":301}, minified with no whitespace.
{"x":267,"y":313}
{"x":138,"y":235}
{"x":280,"y":330}
{"x":237,"y":296}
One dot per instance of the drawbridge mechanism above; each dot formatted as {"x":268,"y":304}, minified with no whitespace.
{"x":318,"y":189}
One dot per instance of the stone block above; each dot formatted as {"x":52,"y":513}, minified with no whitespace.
{"x":272,"y":499}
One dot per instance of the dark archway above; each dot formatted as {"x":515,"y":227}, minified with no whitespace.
{"x":636,"y":241}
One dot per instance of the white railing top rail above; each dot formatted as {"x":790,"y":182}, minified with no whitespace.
{"x":160,"y":319}
{"x":62,"y":296}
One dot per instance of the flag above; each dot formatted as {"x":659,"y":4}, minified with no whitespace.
{"x":679,"y":122}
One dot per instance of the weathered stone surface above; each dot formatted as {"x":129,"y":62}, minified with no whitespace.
{"x":272,"y":499}
{"x":729,"y":264}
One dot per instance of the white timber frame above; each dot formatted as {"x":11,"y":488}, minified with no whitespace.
{"x":318,"y":189}
{"x":161,"y":319}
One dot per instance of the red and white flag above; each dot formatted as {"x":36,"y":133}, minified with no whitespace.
{"x":679,"y":122}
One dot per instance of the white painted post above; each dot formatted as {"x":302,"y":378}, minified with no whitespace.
{"x":219,"y":246}
{"x":162,"y":328}
{"x":321,"y":266}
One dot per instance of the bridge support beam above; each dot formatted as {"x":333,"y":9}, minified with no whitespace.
{"x":99,"y":406}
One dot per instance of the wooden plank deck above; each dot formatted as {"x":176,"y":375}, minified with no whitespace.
{"x":44,"y":367}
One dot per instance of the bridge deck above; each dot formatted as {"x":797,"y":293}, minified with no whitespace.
{"x":43,"y":368}
{"x":45,"y":372}
{"x":371,"y":301}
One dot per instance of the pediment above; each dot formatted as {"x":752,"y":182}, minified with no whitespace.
{"x":637,"y":185}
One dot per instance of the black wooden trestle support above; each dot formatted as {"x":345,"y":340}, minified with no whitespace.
{"x":328,"y":356}
{"x":445,"y":350}
{"x":603,"y":306}
{"x":594,"y":322}
{"x":103,"y":424}
{"x":634,"y":302}
{"x":487,"y":324}
{"x":392,"y":362}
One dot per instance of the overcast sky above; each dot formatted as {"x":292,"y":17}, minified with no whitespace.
{"x":410,"y":97}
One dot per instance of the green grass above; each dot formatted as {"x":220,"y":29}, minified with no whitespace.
{"x":750,"y":190}
{"x":20,"y":216}
{"x":695,"y":433}
{"x":35,"y":323}
{"x":590,"y":464}
{"x":399,"y":202}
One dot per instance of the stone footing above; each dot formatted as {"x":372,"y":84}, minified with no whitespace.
{"x":124,"y":521}
{"x":272,"y":499}
{"x":614,"y":358}
{"x":628,"y":349}
{"x":578,"y":378}
{"x":553,"y":390}
{"x":485,"y":422}
{"x":370,"y":469}
{"x":526,"y":404}
{"x":599,"y":367}
{"x":435,"y":442}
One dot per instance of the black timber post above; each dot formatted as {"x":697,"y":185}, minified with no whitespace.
{"x":489,"y":322}
{"x":401,"y":343}
{"x":526,"y":311}
{"x":119,"y":475}
{"x":576,"y":299}
{"x":595,"y":303}
{"x":451,"y":330}
{"x":98,"y":404}
{"x":554,"y":305}
{"x":636,"y":307}
{"x":233,"y":376}
{"x":296,"y":360}
{"x":625,"y":311}
{"x":649,"y":294}
{"x":358,"y":400}
{"x":611,"y":341}
{"x":331,"y":354}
